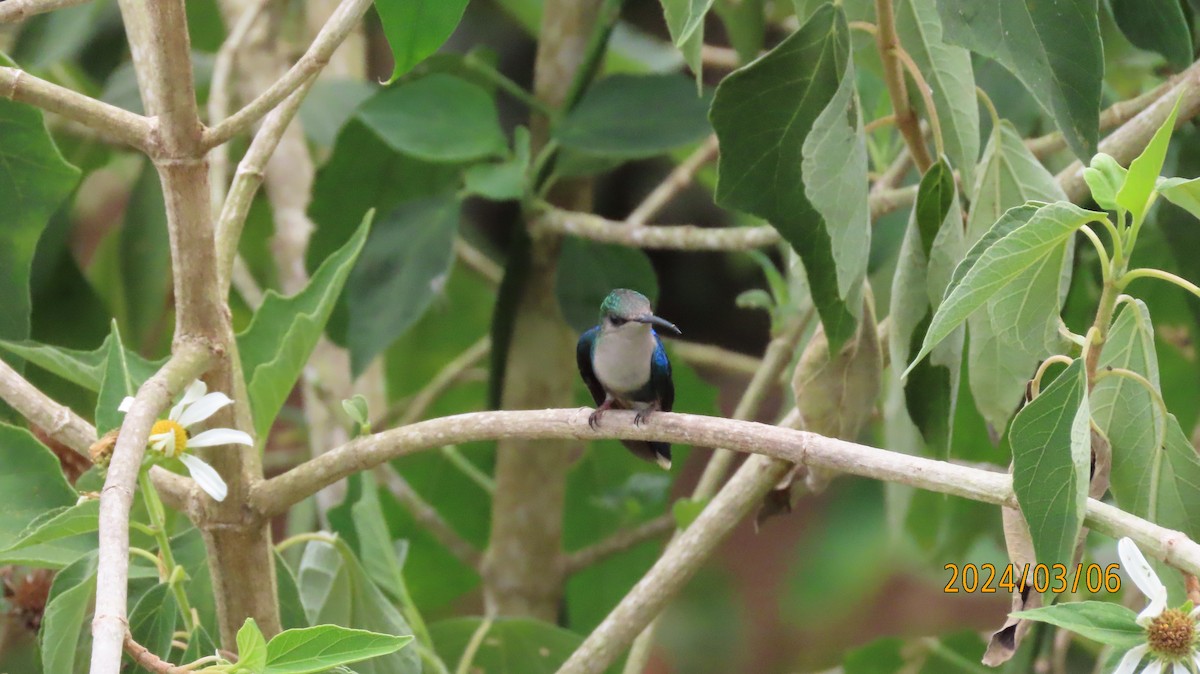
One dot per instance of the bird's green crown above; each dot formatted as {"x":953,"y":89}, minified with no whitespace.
{"x":624,"y":303}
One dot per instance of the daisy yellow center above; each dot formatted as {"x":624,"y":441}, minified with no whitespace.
{"x":168,"y":426}
{"x":1172,"y":635}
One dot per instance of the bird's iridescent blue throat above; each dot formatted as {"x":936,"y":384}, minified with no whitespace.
{"x":624,"y":365}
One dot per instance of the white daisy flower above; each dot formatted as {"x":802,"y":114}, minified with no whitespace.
{"x":171,"y":437}
{"x":1171,"y":635}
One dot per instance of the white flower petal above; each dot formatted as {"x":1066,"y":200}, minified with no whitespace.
{"x":1131,"y":659}
{"x":194,"y":392}
{"x":126,"y":404}
{"x":1142,"y":575}
{"x":1155,"y":667}
{"x":203,"y":408}
{"x":1180,"y":669}
{"x":221,"y":436}
{"x":163,"y":442}
{"x":205,"y":476}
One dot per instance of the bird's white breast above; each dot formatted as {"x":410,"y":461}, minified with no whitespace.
{"x":621,"y":360}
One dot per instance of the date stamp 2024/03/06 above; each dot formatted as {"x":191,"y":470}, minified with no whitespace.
{"x":1056,"y":578}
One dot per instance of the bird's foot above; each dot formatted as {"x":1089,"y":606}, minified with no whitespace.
{"x":642,"y":415}
{"x":594,"y":417}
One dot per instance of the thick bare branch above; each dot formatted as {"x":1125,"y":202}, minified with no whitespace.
{"x":58,"y":421}
{"x":12,"y":11}
{"x":110,"y":624}
{"x":335,"y":31}
{"x":109,"y":120}
{"x":677,"y":237}
{"x":1130,"y":139}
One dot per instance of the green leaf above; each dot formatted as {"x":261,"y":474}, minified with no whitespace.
{"x":81,"y":518}
{"x":402,"y":268}
{"x":31,"y":485}
{"x":686,"y":510}
{"x":931,"y":390}
{"x":1105,"y":177}
{"x":1053,"y":48}
{"x":994,"y":263}
{"x":512,"y":646}
{"x":685,"y":23}
{"x":85,"y":368}
{"x":1010,"y":176}
{"x":356,"y":409}
{"x":416,"y":28}
{"x":1106,"y":622}
{"x":337,"y":590}
{"x":1134,"y":196}
{"x":438,"y":118}
{"x":117,"y":384}
{"x":1156,"y":25}
{"x":1051,"y":444}
{"x":315,"y":649}
{"x":35,"y":179}
{"x":144,"y":258}
{"x":504,"y":181}
{"x":275,"y":346}
{"x":1182,"y":192}
{"x":745,"y":24}
{"x":63,"y":620}
{"x":588,"y":271}
{"x":375,"y":547}
{"x":668,"y":115}
{"x":762,"y":168}
{"x":948,"y":71}
{"x":152,"y":620}
{"x":251,"y":648}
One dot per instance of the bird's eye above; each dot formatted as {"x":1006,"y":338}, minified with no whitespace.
{"x":617,"y":322}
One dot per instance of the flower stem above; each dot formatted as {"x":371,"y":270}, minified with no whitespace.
{"x":158,"y":523}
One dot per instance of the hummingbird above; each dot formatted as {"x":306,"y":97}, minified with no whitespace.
{"x":624,"y":365}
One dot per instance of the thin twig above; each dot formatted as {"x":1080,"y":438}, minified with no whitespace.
{"x":712,"y":56}
{"x":340,"y":25}
{"x":443,"y":380}
{"x":110,"y":624}
{"x":427,"y":516}
{"x":619,"y":542}
{"x":926,"y":94}
{"x":678,"y":179}
{"x":707,"y":355}
{"x":888,"y":44}
{"x":58,"y":421}
{"x":151,"y":662}
{"x":477,"y":261}
{"x":247,"y":180}
{"x":109,"y":120}
{"x":12,"y":11}
{"x":220,"y":94}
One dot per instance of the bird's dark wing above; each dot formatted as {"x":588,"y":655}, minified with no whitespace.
{"x":583,"y":358}
{"x":660,"y":377}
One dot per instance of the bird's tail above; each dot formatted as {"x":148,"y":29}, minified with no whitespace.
{"x":658,"y":452}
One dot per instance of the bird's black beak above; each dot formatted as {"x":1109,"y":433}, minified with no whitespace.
{"x":660,"y":322}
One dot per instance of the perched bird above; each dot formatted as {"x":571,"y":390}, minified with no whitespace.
{"x":623,"y":363}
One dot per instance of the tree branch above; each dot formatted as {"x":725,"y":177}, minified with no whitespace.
{"x":678,"y":179}
{"x":443,"y":380}
{"x":58,"y":421}
{"x":893,"y":74}
{"x":110,"y":624}
{"x":340,"y":25}
{"x":120,"y":124}
{"x":707,"y":355}
{"x":12,"y":11}
{"x":1113,"y":116}
{"x":248,"y":179}
{"x":619,"y":542}
{"x":1131,"y":138}
{"x":427,"y":516}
